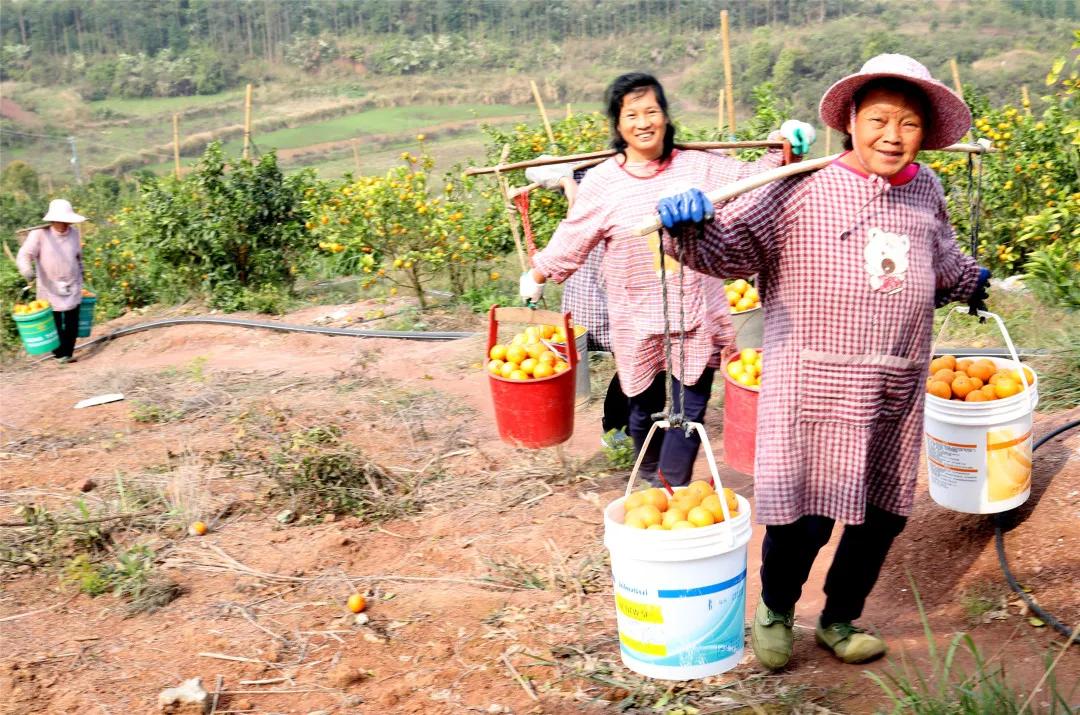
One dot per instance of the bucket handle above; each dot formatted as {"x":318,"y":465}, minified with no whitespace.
{"x":1004,"y":334}
{"x":718,"y":485}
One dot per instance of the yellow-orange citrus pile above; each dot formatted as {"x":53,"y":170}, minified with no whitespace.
{"x":526,"y":357}
{"x":742,"y":296}
{"x":31,"y":307}
{"x":697,"y":505}
{"x":974,"y":380}
{"x":746,"y":368}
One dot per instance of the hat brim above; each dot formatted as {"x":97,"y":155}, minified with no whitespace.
{"x":63,"y":217}
{"x":949,"y":121}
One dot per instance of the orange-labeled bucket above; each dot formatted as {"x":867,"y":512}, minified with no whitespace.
{"x":533,"y":413}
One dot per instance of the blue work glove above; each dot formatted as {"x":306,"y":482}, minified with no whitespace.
{"x":800,"y":135}
{"x":687,"y":208}
{"x":977,"y":301}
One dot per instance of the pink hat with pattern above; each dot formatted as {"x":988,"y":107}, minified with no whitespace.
{"x":949,"y":117}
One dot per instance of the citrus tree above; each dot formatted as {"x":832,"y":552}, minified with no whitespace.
{"x":1030,"y":191}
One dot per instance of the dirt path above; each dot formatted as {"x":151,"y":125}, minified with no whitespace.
{"x":493,"y":597}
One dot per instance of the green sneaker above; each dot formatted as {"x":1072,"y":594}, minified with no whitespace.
{"x":849,"y":643}
{"x":771,"y":636}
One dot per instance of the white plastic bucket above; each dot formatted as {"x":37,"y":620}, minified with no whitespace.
{"x":680,"y":596}
{"x":978,"y":454}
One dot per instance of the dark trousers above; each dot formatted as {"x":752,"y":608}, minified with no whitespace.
{"x":67,"y":325}
{"x":670,"y":451}
{"x":616,"y":407}
{"x":789,"y":551}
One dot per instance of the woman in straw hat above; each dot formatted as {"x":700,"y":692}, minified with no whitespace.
{"x":55,"y":254}
{"x":612,"y":199}
{"x":852,"y":260}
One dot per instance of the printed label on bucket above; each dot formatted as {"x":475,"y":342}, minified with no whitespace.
{"x":681,"y":626}
{"x":999,"y":457}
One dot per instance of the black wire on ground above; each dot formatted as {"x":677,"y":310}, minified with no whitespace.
{"x":999,"y":540}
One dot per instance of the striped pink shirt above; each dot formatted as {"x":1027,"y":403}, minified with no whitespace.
{"x":59,"y":266}
{"x":610,"y":204}
{"x":847,"y":269}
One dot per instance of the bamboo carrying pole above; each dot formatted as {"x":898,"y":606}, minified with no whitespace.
{"x":728,"y":85}
{"x":730,"y":191}
{"x":956,"y":77}
{"x":247,"y":120}
{"x":543,"y":112}
{"x":511,"y":213}
{"x":605,"y":153}
{"x":176,"y":143}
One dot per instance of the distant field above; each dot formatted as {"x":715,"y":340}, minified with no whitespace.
{"x":165,"y":105}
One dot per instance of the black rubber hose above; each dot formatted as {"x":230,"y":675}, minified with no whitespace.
{"x":283,"y":327}
{"x":999,"y":540}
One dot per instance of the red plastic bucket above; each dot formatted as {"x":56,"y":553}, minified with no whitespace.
{"x":740,"y":424}
{"x":533,"y":413}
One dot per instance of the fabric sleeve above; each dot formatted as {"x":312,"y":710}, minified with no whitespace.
{"x":28,"y":254}
{"x":747,"y":233}
{"x":79,"y":257}
{"x":578,"y":234}
{"x":957,"y":274}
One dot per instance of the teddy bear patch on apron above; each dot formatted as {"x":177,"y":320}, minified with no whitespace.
{"x":886,"y":260}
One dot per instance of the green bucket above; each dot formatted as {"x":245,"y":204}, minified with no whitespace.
{"x":38,"y":331}
{"x":86,"y":315}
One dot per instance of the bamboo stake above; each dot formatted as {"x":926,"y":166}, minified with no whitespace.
{"x":356,"y":154}
{"x":1026,"y":99}
{"x":605,"y":153}
{"x":176,"y":143}
{"x":720,"y":112}
{"x":569,"y":114}
{"x":956,"y":77}
{"x":511,"y":212}
{"x":543,"y":112}
{"x":247,"y":120}
{"x":728,"y":85}
{"x":737,"y":188}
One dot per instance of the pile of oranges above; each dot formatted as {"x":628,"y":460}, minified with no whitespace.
{"x":695,"y":506}
{"x":974,"y":380}
{"x":746,"y":368}
{"x":742,"y":296}
{"x":31,"y":307}
{"x":527,"y":357}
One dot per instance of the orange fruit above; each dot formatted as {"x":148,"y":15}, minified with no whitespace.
{"x":494,"y":366}
{"x":356,"y":603}
{"x":1027,"y":373}
{"x":732,"y":501}
{"x":681,"y":525}
{"x":654,"y":527}
{"x":516,"y":353}
{"x":634,"y":501}
{"x":198,"y":528}
{"x":546,"y":331}
{"x":548,"y":357}
{"x":700,"y":516}
{"x":946,"y":362}
{"x":743,"y":303}
{"x":497,"y":352}
{"x":961,"y":386}
{"x":634,"y":521}
{"x":1007,"y":387}
{"x":543,"y":370}
{"x":507,"y":369}
{"x":535,"y":350}
{"x":701,"y":487}
{"x":981,"y":370}
{"x":944,"y":374}
{"x":712,"y":503}
{"x":976,"y":396}
{"x":690,"y":497}
{"x":656,"y":497}
{"x":649,"y":514}
{"x":519,"y":375}
{"x":976,"y":382}
{"x":963,"y":364}
{"x":740,"y":285}
{"x":527,"y":365}
{"x":989,"y":391}
{"x":748,"y":355}
{"x":672,"y":516}
{"x":732,"y":297}
{"x":752,"y":294}
{"x":560,"y":366}
{"x":940,"y":389}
